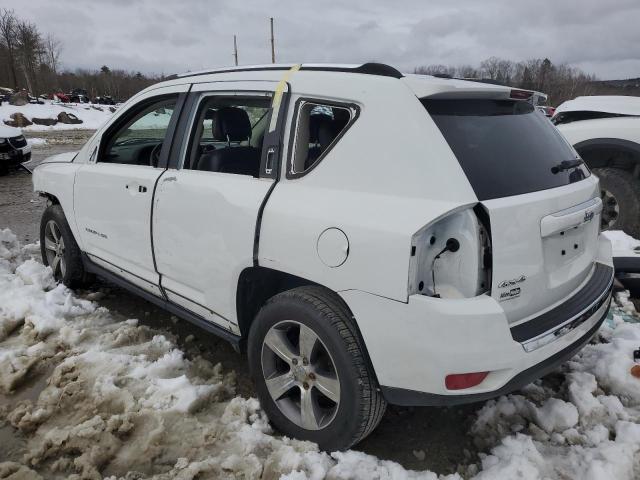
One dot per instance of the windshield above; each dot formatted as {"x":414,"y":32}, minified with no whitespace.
{"x":505,"y":147}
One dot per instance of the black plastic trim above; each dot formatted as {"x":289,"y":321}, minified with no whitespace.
{"x":599,"y":283}
{"x":586,"y":146}
{"x":162,"y":303}
{"x":370,"y":68}
{"x":271,"y":140}
{"x":627,"y":264}
{"x":294,"y":126}
{"x":405,"y":397}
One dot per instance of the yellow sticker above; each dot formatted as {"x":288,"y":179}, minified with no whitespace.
{"x":277,"y":97}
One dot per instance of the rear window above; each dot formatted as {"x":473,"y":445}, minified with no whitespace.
{"x":505,"y":147}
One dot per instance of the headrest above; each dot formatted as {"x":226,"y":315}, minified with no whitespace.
{"x":232,"y":124}
{"x":318,"y":121}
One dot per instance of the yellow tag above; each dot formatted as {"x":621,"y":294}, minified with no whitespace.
{"x":277,"y":97}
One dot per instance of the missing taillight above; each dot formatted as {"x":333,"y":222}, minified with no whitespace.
{"x":451,"y":258}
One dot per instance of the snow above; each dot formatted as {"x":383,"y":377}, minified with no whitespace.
{"x":623,"y":245}
{"x":92,"y":118}
{"x":121,"y":400}
{"x":618,"y":104}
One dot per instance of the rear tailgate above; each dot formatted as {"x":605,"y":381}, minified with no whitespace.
{"x":543,"y":204}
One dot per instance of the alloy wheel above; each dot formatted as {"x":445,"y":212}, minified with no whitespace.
{"x":610,"y":210}
{"x":300,"y":375}
{"x":54,"y":249}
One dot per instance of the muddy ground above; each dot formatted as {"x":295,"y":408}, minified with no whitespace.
{"x":418,"y":438}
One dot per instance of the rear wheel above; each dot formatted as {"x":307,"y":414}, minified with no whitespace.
{"x":620,"y":193}
{"x":59,"y":249}
{"x":311,"y":374}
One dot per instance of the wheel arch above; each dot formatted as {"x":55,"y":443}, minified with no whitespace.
{"x":611,"y":152}
{"x":258,"y":284}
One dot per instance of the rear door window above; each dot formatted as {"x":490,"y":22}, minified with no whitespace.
{"x":505,"y":147}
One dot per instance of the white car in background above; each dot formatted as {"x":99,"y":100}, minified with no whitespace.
{"x":367,"y":237}
{"x":605,"y":130}
{"x":14,"y":148}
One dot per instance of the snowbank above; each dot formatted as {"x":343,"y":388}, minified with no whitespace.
{"x":90,"y":116}
{"x":623,"y":245}
{"x":122,"y":401}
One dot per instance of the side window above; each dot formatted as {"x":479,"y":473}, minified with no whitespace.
{"x":318,"y":128}
{"x":227,"y":135}
{"x":138,"y":138}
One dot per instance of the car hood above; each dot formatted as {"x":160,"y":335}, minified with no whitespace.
{"x":615,"y":104}
{"x":66,"y":157}
{"x":9,"y":132}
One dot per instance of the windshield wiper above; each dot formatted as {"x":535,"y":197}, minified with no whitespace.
{"x":566,"y":165}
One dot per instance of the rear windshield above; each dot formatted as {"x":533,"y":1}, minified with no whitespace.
{"x":505,"y":147}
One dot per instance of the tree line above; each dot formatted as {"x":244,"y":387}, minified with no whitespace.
{"x":560,"y":82}
{"x":31,"y":60}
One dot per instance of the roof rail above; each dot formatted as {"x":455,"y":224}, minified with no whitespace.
{"x":370,"y":68}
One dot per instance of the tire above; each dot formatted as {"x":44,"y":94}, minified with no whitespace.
{"x":337,"y":352}
{"x":62,"y":254}
{"x":621,"y":200}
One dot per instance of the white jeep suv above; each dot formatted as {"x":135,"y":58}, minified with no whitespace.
{"x":366,"y":236}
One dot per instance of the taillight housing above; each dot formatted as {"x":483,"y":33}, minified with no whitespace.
{"x":521,"y":94}
{"x":451,"y":257}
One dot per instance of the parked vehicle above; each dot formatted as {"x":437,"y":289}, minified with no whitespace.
{"x":104,"y":100}
{"x":14,"y":148}
{"x":605,"y":130}
{"x":456,"y":260}
{"x":546,"y":110}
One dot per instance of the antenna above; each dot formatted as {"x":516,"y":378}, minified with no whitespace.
{"x":273,"y":47}
{"x":235,"y":50}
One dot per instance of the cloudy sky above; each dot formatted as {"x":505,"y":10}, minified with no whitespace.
{"x":168,"y":36}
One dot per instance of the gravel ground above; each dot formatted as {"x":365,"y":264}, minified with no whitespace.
{"x":418,"y":438}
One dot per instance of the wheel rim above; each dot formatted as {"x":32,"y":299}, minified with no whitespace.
{"x":54,"y":249}
{"x":610,"y":210}
{"x":300,"y":375}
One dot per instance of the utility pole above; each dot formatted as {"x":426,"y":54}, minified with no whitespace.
{"x":273,"y":47}
{"x":235,"y":50}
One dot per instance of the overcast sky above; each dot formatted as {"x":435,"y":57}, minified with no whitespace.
{"x":169,"y":36}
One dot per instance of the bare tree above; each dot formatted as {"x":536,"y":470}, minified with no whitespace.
{"x":29,"y":51}
{"x":8,"y":23}
{"x":53,"y":48}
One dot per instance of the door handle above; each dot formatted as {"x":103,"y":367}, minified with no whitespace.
{"x":134,"y":186}
{"x":268,"y":168}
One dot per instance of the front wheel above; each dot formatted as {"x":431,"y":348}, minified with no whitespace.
{"x":310,"y":370}
{"x":59,"y":248}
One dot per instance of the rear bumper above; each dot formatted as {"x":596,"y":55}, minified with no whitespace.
{"x":401,"y":396}
{"x":413,"y":346}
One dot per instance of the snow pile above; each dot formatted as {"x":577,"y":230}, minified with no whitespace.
{"x":120,"y":397}
{"x":92,"y":116}
{"x":584,"y":427}
{"x":623,"y":245}
{"x":118,"y":400}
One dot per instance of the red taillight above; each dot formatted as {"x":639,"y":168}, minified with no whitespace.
{"x":460,"y":381}
{"x":521,"y":94}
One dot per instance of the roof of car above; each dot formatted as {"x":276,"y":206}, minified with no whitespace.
{"x":421,"y":85}
{"x":615,"y":104}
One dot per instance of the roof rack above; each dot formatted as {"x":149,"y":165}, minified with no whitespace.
{"x":370,"y":68}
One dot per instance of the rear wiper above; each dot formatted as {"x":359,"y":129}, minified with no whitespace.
{"x":566,"y":165}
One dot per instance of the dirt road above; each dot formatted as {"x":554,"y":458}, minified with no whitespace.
{"x":418,"y":438}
